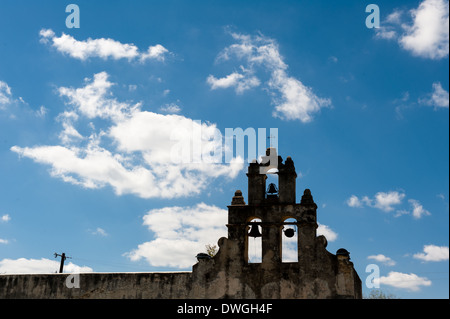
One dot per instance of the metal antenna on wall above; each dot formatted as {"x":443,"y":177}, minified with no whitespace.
{"x":63,"y":258}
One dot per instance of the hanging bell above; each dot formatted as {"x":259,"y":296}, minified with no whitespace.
{"x":289,"y":232}
{"x":272,"y":189}
{"x":254,"y":231}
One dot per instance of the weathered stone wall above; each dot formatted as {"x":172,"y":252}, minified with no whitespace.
{"x":97,"y":285}
{"x":320,"y":275}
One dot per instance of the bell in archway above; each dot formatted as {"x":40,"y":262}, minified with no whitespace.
{"x":272,"y":189}
{"x":289,"y":232}
{"x":254,"y":231}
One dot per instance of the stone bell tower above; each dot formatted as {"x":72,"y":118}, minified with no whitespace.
{"x":273,"y":209}
{"x":317,"y":273}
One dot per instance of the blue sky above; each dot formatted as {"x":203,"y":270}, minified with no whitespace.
{"x":88,"y":118}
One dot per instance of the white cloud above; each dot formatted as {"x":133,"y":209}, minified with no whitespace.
{"x":438,"y":97}
{"x":8,"y":100}
{"x":382,"y":200}
{"x":433,"y":253}
{"x":354,"y":201}
{"x":410,"y":282}
{"x":69,"y":134}
{"x":297,"y":101}
{"x":240,"y":82}
{"x":387,"y":29}
{"x":5,"y":95}
{"x":5,"y":218}
{"x":428,"y":36}
{"x":292,"y":99}
{"x":41,"y":112}
{"x":329,"y":234}
{"x":93,"y":100}
{"x":180,"y":233}
{"x":38,"y":266}
{"x":394,"y":17}
{"x":170,"y":108}
{"x":425,"y":34}
{"x":4,"y":241}
{"x":382,"y":259}
{"x":418,"y":210}
{"x":46,"y":34}
{"x":156,"y":52}
{"x":102,"y":48}
{"x":386,"y":33}
{"x":385,"y":201}
{"x":99,"y":231}
{"x":134,"y":154}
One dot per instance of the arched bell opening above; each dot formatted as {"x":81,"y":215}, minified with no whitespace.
{"x":272,"y":184}
{"x":289,"y":240}
{"x":254,"y":241}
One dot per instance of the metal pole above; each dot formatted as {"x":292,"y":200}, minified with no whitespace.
{"x":63,"y":257}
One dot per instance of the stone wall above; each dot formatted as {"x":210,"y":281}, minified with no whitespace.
{"x":97,"y":285}
{"x":224,"y":276}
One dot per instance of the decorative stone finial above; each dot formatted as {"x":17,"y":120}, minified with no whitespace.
{"x":238,"y":199}
{"x":343,"y":254}
{"x":307,"y":198}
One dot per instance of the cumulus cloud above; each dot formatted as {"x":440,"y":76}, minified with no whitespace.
{"x":354,"y":201}
{"x":433,"y":253}
{"x":439,"y":98}
{"x":5,"y":95}
{"x":387,"y":202}
{"x":38,"y":266}
{"x":180,"y":233}
{"x":382,"y":259}
{"x":325,"y":230}
{"x":423,"y":31}
{"x":93,"y":100}
{"x":382,"y":200}
{"x":156,"y":52}
{"x":137,"y":152}
{"x":292,"y":99}
{"x":428,"y":36}
{"x":240,"y":82}
{"x":101,"y":48}
{"x":417,"y":209}
{"x":410,"y":282}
